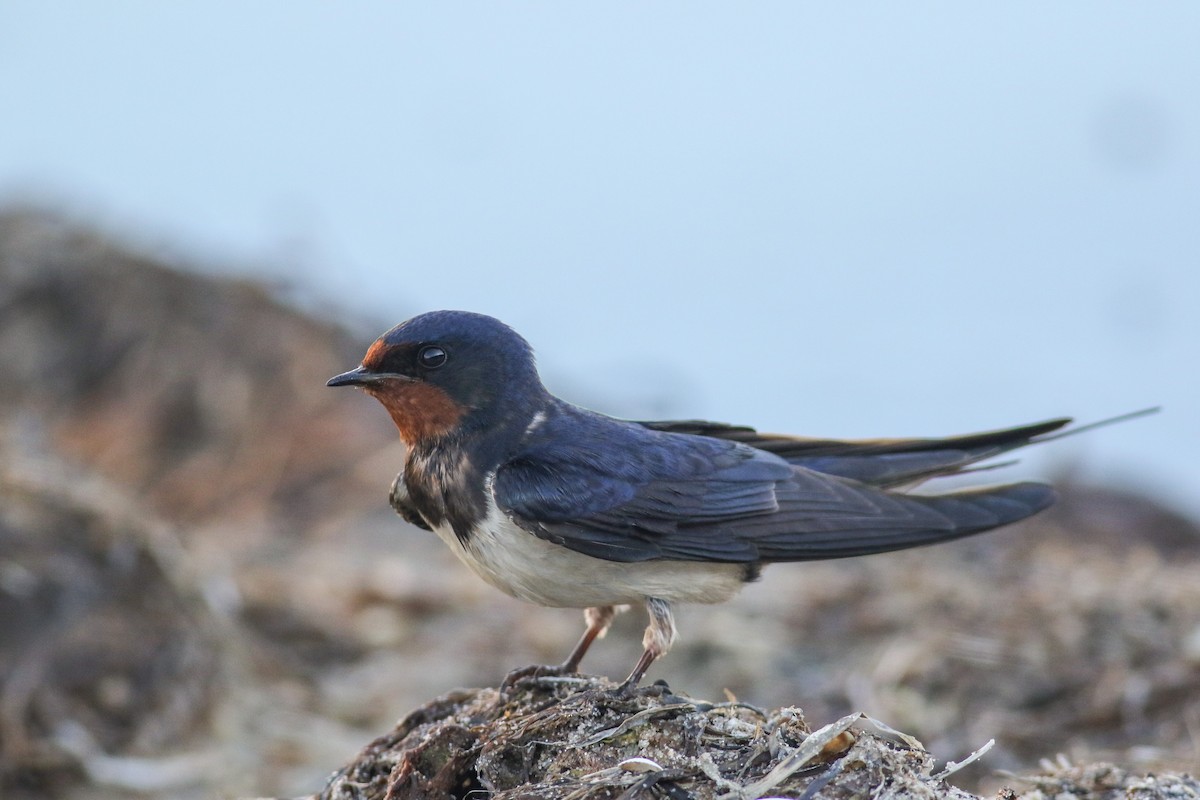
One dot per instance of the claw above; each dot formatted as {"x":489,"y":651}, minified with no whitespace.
{"x":534,"y":671}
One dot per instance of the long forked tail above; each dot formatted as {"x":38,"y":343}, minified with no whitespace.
{"x":872,"y":521}
{"x":895,"y":462}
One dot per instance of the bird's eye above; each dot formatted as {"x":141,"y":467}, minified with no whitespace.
{"x":431,"y":357}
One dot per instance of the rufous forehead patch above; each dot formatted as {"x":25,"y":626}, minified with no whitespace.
{"x":376,"y":354}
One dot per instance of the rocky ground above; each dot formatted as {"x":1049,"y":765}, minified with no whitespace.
{"x":574,"y":737}
{"x":203,"y":592}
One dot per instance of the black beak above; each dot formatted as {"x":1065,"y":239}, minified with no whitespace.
{"x":359,"y":376}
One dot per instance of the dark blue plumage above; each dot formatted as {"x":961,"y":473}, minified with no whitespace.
{"x":665,"y":495}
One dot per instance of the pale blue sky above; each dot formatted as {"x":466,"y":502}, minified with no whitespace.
{"x":840,"y":219}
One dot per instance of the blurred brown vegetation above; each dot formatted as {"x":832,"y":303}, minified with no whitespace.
{"x":202,"y":590}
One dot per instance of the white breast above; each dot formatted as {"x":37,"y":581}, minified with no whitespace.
{"x":520,"y":564}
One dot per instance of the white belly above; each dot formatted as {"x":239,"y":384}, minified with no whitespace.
{"x":520,"y":564}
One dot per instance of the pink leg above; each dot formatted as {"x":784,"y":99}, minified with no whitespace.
{"x":660,"y":635}
{"x":598,"y":619}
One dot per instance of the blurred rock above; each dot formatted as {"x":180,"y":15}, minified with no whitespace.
{"x":106,"y":645}
{"x":205,"y":397}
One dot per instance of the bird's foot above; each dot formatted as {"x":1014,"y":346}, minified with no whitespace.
{"x":532,"y":673}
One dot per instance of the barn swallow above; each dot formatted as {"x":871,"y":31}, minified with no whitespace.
{"x":564,"y":507}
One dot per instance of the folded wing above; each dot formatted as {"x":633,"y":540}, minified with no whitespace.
{"x":665,"y":495}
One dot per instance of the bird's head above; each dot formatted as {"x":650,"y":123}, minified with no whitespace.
{"x":449,"y":371}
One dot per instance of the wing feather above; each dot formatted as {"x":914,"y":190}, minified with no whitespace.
{"x":696,"y":498}
{"x":879,"y":462}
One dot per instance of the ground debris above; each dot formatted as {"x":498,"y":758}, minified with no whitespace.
{"x":1102,"y":781}
{"x":582,"y":738}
